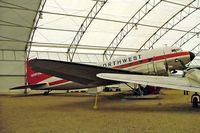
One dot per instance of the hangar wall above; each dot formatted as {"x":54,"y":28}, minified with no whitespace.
{"x":18,"y":19}
{"x":12,"y":72}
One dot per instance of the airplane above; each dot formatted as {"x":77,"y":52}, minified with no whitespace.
{"x":146,"y":67}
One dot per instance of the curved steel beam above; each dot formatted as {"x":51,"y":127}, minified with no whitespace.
{"x":196,"y":51}
{"x":36,"y":21}
{"x":84,"y":26}
{"x":173,"y":21}
{"x":137,"y":17}
{"x":187,"y":36}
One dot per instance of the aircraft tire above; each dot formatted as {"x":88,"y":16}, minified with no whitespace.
{"x":194,"y":102}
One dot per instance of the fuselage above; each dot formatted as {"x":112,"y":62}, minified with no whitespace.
{"x":151,"y":62}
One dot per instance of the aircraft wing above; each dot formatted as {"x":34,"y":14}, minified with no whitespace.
{"x":80,"y":73}
{"x":179,"y":83}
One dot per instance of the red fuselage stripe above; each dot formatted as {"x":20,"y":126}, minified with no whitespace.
{"x":157,"y":58}
{"x":58,"y":82}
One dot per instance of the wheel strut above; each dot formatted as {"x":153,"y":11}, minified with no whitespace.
{"x":96,"y":101}
{"x":25,"y":91}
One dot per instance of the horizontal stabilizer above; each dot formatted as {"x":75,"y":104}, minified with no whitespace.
{"x":179,"y":83}
{"x":33,"y":86}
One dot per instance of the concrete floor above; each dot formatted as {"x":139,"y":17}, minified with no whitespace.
{"x":73,"y":113}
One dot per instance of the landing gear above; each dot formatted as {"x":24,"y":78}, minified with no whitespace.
{"x":25,"y":91}
{"x":46,"y":92}
{"x":186,"y":93}
{"x":137,"y":90}
{"x":140,"y":91}
{"x":96,"y":101}
{"x":97,"y":91}
{"x":195,"y":99}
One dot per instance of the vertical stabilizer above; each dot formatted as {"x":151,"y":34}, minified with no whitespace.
{"x":34,"y":77}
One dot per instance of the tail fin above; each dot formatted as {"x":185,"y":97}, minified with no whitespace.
{"x":34,"y":77}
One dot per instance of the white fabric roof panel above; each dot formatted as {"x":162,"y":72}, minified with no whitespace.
{"x":137,"y":37}
{"x":161,"y":14}
{"x":51,"y":36}
{"x":120,"y":10}
{"x":100,"y":33}
{"x":16,"y":21}
{"x":78,"y":7}
{"x":60,"y":21}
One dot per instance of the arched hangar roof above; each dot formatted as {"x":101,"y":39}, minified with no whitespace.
{"x":96,"y":30}
{"x":17,"y":20}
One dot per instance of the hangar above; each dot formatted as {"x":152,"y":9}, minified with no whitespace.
{"x":90,"y":31}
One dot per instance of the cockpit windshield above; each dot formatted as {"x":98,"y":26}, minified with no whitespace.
{"x":176,"y":50}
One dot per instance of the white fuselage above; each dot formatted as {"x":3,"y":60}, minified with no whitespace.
{"x":153,"y":61}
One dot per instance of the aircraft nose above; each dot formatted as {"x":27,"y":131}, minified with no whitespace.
{"x":192,"y":56}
